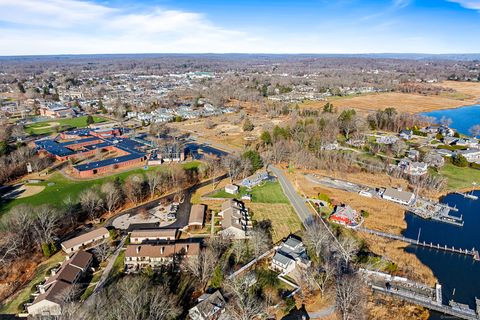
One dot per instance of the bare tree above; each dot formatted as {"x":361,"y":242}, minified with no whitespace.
{"x":91,"y":202}
{"x":102,"y":251}
{"x":350,"y":297}
{"x":154,"y":179}
{"x":259,"y":241}
{"x":133,"y":188}
{"x":475,"y":130}
{"x":112,"y":195}
{"x":399,"y":147}
{"x":444,"y":121}
{"x":46,"y":221}
{"x":317,"y":237}
{"x":201,"y":266}
{"x":232,"y":164}
{"x":244,"y":304}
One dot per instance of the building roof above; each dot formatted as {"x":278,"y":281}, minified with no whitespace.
{"x":163,"y":250}
{"x":211,"y":304}
{"x":282,"y":259}
{"x":55,"y":293}
{"x":85,"y":237}
{"x":398,"y":194}
{"x":81,"y":259}
{"x":197,"y":214}
{"x":154,"y":233}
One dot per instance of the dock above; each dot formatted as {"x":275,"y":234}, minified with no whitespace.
{"x":473,"y":252}
{"x":470,"y":196}
{"x":419,"y":294}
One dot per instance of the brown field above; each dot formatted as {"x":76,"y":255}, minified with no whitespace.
{"x":382,"y":307}
{"x":468,"y":88}
{"x":403,"y":102}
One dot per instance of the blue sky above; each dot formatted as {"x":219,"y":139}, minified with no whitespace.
{"x":223,"y":26}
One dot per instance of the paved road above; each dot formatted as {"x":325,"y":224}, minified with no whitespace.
{"x":297,"y":202}
{"x":103,"y":279}
{"x":322,"y":313}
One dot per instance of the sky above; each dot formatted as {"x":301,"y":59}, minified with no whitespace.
{"x":38,"y":27}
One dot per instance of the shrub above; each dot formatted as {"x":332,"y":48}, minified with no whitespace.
{"x":49,"y":249}
{"x":217,"y":277}
{"x":459,"y":161}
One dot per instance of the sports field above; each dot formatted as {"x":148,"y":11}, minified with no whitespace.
{"x":50,"y":126}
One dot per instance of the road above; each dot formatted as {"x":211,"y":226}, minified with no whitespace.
{"x":297,"y":202}
{"x":103,"y":279}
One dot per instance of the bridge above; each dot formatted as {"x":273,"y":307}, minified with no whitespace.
{"x":473,"y":252}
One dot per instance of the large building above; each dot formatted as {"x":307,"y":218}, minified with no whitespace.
{"x":56,"y":289}
{"x":85,"y":240}
{"x":138,"y":257}
{"x":236,"y":221}
{"x":84,"y":143}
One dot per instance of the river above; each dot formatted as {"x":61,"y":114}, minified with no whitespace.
{"x":462,"y":118}
{"x":458,"y":274}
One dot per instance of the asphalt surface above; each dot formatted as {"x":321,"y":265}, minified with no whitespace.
{"x":297,"y":202}
{"x":183,"y":213}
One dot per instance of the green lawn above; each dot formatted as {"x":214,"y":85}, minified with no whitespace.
{"x":49,"y":126}
{"x":63,"y":187}
{"x":268,"y":192}
{"x":459,"y":178}
{"x":15,"y":305}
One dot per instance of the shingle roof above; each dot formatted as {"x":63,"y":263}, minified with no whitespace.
{"x":164,"y":250}
{"x":197,"y":214}
{"x":159,"y":233}
{"x":85,"y":237}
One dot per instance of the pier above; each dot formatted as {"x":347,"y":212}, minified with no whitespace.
{"x":419,"y":293}
{"x":473,"y":252}
{"x":468,"y":195}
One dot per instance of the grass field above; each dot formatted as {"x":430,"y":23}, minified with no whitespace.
{"x":49,"y":126}
{"x":15,"y":305}
{"x":63,"y":187}
{"x":268,"y":192}
{"x":460,"y":178}
{"x":284,"y":219}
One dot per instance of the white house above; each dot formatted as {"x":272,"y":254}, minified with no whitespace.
{"x":231,"y":189}
{"x":398,"y":196}
{"x":87,"y":239}
{"x":292,"y":253}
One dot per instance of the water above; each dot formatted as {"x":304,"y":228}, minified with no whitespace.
{"x":462,"y":118}
{"x":455,"y":272}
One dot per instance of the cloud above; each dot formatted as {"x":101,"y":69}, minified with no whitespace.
{"x":73,"y":26}
{"x":469,"y":4}
{"x":401,"y":3}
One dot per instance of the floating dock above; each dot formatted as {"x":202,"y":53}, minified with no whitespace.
{"x":470,"y":196}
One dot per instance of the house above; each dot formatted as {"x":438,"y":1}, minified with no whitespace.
{"x":344,"y":215}
{"x":60,"y":285}
{"x":386,"y":139}
{"x":197,"y":216}
{"x":406,"y":134}
{"x":398,"y":196}
{"x":137,"y":257}
{"x":413,"y":168}
{"x":472,"y":155}
{"x":88,"y":239}
{"x":289,"y":255}
{"x":255,"y":179}
{"x":152,"y":236}
{"x":209,"y":307}
{"x":236,"y":221}
{"x":413,"y":155}
{"x":446,"y":131}
{"x":231,"y":189}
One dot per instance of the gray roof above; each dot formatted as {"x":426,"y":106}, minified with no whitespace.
{"x":282,"y":259}
{"x":398,"y":194}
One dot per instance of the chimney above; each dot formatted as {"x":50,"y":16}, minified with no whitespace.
{"x":41,"y":288}
{"x":138,"y":249}
{"x":162,"y":250}
{"x":186,"y":248}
